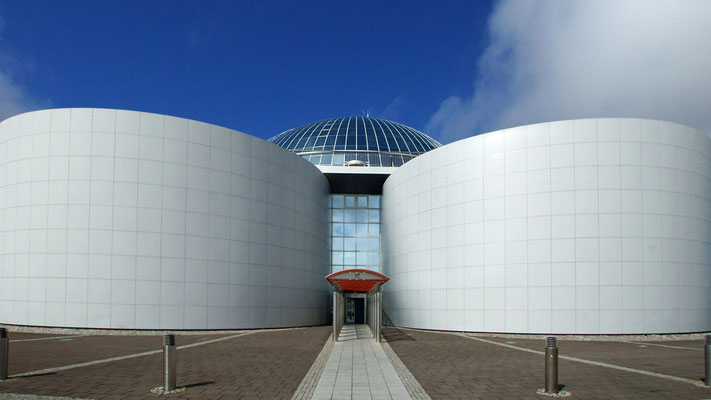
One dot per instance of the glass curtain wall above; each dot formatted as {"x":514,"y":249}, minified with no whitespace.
{"x":355,"y":232}
{"x":372,"y":158}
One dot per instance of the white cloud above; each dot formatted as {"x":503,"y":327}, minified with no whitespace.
{"x":393,"y":110}
{"x":558,"y":60}
{"x":14,"y":99}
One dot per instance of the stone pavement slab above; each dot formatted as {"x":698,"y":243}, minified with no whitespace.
{"x":358,"y":368}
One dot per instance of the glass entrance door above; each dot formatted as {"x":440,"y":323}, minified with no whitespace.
{"x":350,"y":311}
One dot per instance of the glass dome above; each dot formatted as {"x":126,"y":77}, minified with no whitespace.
{"x":356,"y":141}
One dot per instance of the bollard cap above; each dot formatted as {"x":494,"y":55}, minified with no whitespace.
{"x":551,"y":341}
{"x":169,"y":339}
{"x":708,"y":339}
{"x":3,"y":333}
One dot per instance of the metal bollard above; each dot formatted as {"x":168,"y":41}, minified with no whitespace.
{"x":4,"y":352}
{"x":551,"y":365}
{"x":170,"y":356}
{"x":707,"y":358}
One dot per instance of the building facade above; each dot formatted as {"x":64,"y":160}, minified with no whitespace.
{"x":122,"y":219}
{"x":587,"y":226}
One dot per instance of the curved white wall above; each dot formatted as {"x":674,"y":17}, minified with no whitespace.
{"x":121,"y":219}
{"x":586,"y":226}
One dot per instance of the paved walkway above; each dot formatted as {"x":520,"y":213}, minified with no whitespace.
{"x":452,"y":365}
{"x":272,"y":364}
{"x":358,"y":368}
{"x":266,"y":364}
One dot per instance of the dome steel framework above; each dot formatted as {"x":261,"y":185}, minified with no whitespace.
{"x":356,"y":141}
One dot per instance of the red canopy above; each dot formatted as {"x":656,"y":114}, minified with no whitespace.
{"x":356,"y":280}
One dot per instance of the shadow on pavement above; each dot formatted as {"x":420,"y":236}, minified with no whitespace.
{"x":199,"y":384}
{"x":34,"y":375}
{"x":354,"y":332}
{"x":393,"y":334}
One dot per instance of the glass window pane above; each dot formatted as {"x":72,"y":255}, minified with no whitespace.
{"x":362,"y":201}
{"x":374,"y":244}
{"x":362,"y":229}
{"x":373,"y":259}
{"x":361,"y":244}
{"x":349,"y":244}
{"x":349,"y":258}
{"x":349,"y":230}
{"x":326,"y":159}
{"x":362,"y":216}
{"x":337,"y":201}
{"x":362,"y":258}
{"x":374,"y":201}
{"x":349,"y":215}
{"x":374,"y":160}
{"x":337,"y":258}
{"x":339,"y":159}
{"x":374,"y":215}
{"x":350,"y":201}
{"x":337,"y":229}
{"x":374,"y":229}
{"x":337,"y":216}
{"x":336,"y":243}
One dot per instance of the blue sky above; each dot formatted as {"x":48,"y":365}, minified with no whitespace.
{"x":256,"y":67}
{"x":450,"y":69}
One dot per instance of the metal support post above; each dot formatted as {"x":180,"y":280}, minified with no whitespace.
{"x":365,"y":301}
{"x":373,"y":320}
{"x":707,"y":358}
{"x":378,"y":316}
{"x":170,"y":357}
{"x":375,"y":316}
{"x":551,"y":365}
{"x":335,"y":316}
{"x":4,"y":353}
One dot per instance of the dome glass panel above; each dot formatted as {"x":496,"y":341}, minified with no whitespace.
{"x":367,"y":141}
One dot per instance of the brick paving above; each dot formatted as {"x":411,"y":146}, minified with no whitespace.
{"x":25,"y":335}
{"x":413,"y":387}
{"x":663,"y":360}
{"x":260,"y":365}
{"x":454,"y":367}
{"x":41,"y":354}
{"x":308,"y":385}
{"x":272,"y":364}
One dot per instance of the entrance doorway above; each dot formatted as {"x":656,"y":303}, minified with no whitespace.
{"x":355,"y":310}
{"x":357,"y":299}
